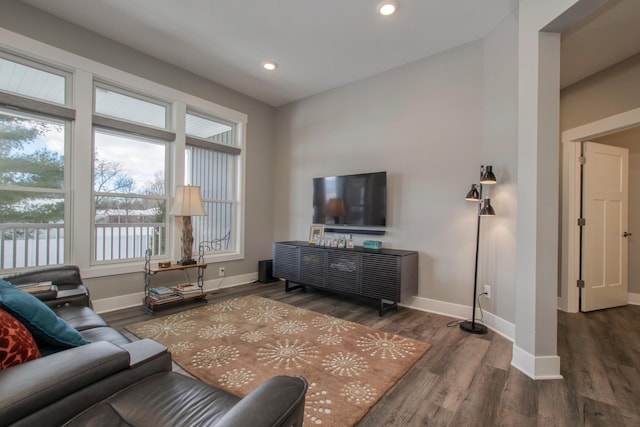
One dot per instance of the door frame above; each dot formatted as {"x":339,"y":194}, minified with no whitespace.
{"x":569,"y":298}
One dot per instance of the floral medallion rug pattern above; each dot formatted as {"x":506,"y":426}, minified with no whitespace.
{"x":238,"y":343}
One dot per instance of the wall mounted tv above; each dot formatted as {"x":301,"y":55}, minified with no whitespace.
{"x":354,"y":200}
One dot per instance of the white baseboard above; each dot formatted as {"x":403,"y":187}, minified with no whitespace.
{"x":458,"y":311}
{"x":106,"y":305}
{"x":536,"y":367}
{"x":634,"y":299}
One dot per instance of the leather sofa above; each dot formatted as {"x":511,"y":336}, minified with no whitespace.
{"x":71,"y":302}
{"x":112,"y":381}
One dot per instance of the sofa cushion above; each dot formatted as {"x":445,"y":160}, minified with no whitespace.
{"x":164,"y":399}
{"x":104,"y":334}
{"x":39,"y":319}
{"x":16,"y":342}
{"x":79,"y":317}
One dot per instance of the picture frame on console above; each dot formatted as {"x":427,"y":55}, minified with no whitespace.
{"x":316,"y":233}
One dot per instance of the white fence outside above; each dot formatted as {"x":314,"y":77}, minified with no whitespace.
{"x":32,"y":245}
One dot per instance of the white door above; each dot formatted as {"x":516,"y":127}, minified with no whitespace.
{"x":604,"y":241}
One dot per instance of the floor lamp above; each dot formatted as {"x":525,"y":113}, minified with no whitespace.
{"x":186,"y":204}
{"x":484,"y":209}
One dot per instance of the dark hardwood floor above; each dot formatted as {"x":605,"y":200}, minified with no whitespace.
{"x":467,"y":380}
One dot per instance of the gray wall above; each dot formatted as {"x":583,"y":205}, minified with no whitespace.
{"x":46,"y":28}
{"x":427,"y":124}
{"x":422,"y":123}
{"x":498,"y":249}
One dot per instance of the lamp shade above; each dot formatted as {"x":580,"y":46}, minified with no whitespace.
{"x":487,"y":176}
{"x":187,"y":202}
{"x":486,"y":209}
{"x":473,"y":195}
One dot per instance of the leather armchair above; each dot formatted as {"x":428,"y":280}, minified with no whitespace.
{"x":103,"y":384}
{"x":53,"y":389}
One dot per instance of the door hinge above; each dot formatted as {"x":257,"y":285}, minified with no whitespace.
{"x":582,"y":160}
{"x":580,"y":283}
{"x":582,"y":222}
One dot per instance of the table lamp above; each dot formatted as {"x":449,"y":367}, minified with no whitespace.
{"x":186,"y":204}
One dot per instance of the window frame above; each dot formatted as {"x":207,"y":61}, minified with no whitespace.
{"x":7,"y":54}
{"x":94,"y":194}
{"x":237,"y":194}
{"x":131,"y":93}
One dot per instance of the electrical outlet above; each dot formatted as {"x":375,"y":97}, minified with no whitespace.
{"x":220,"y":271}
{"x":487,"y":290}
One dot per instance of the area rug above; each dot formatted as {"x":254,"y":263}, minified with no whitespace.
{"x":238,"y":343}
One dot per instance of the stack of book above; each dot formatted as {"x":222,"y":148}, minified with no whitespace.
{"x":36,"y":288}
{"x":163,"y":294}
{"x":188,"y":289}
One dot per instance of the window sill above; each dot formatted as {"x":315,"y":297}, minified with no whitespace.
{"x":104,"y":270}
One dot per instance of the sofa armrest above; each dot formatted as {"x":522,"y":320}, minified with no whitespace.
{"x":278,"y":401}
{"x":28,"y":387}
{"x":146,"y":351}
{"x":67,"y":280}
{"x":58,"y":275}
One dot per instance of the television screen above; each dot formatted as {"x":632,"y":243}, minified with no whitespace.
{"x":351,"y":199}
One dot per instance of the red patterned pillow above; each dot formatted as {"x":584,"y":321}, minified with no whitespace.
{"x":16,"y":343}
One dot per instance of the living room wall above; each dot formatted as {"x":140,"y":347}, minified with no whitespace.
{"x":612,"y":91}
{"x":33,"y":23}
{"x":498,"y":250}
{"x":424,"y":123}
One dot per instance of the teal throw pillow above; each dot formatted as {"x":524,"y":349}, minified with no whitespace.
{"x":39,"y":319}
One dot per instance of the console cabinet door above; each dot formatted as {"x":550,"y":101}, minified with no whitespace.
{"x":313,"y":264}
{"x":285,"y":262}
{"x":381,"y":276}
{"x":343,"y":271}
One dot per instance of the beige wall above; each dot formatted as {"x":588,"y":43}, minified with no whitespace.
{"x":611,"y":91}
{"x":498,"y":249}
{"x":430,"y":124}
{"x":43,"y":27}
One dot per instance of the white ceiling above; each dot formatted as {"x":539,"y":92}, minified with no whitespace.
{"x":323,"y":44}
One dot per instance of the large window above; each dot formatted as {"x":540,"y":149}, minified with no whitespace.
{"x":34,"y":133}
{"x":211,"y":163}
{"x":89,"y":158}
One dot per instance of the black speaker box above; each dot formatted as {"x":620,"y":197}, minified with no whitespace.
{"x":265,"y":269}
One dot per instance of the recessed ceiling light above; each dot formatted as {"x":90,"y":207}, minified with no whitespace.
{"x":269,"y":65}
{"x":387,"y":8}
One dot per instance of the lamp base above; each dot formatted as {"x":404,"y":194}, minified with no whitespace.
{"x":187,"y":262}
{"x":472,"y":327}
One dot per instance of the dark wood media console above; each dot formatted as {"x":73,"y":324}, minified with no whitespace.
{"x":388,"y":275}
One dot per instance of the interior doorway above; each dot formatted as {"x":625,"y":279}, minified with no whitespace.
{"x":604,"y":226}
{"x":605,"y":130}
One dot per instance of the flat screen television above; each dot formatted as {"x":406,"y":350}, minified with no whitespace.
{"x":355,"y":200}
